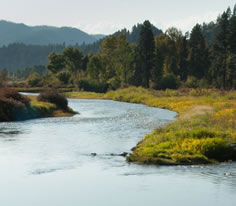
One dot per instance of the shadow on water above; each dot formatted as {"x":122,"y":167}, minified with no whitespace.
{"x":9,"y":134}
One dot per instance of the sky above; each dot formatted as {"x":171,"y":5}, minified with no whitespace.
{"x":108,"y":16}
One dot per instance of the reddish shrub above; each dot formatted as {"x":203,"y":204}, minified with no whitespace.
{"x":13,"y":94}
{"x":12,"y":105}
{"x":51,"y":95}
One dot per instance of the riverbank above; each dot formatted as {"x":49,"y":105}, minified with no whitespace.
{"x":204,"y":131}
{"x":17,"y":107}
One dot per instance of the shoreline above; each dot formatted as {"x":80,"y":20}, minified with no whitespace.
{"x":194,"y":137}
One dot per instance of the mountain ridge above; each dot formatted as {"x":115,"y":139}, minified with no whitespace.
{"x":11,"y":32}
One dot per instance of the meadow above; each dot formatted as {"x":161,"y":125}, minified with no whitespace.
{"x":203,"y":132}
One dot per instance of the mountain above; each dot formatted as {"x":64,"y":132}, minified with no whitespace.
{"x":42,"y":35}
{"x":98,"y":36}
{"x":17,"y":56}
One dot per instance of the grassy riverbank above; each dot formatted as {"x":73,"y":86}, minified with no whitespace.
{"x":16,"y":107}
{"x":46,"y":109}
{"x":204,"y":131}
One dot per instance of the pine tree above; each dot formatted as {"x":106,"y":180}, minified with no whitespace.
{"x":182,"y":63}
{"x":198,"y":53}
{"x":221,"y":48}
{"x":146,"y":52}
{"x":232,"y":32}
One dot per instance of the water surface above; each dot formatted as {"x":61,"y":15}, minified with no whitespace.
{"x":48,"y":162}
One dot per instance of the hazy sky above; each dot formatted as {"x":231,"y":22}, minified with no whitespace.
{"x":107,"y":16}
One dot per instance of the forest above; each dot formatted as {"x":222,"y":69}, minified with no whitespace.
{"x":147,"y":57}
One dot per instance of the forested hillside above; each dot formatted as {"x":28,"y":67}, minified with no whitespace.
{"x":19,"y":56}
{"x":42,"y":35}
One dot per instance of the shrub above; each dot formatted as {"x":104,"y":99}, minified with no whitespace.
{"x":114,"y":83}
{"x":12,"y":105}
{"x":169,"y":81}
{"x":34,"y":80}
{"x":192,"y":82}
{"x":92,"y":86}
{"x":51,"y":95}
{"x":13,"y":94}
{"x":64,"y":77}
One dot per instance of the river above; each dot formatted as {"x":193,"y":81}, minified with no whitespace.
{"x":48,"y":162}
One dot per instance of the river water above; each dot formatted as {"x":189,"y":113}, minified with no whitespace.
{"x":48,"y":162}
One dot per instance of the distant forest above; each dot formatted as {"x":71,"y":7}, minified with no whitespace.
{"x":145,"y":56}
{"x":18,"y":56}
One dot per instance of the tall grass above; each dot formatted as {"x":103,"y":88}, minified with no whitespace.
{"x":204,"y":131}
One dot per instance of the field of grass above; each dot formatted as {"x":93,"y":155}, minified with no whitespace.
{"x":204,"y":131}
{"x":85,"y":95}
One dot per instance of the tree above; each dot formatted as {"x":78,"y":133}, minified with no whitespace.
{"x":56,"y":62}
{"x":232,"y":32}
{"x":182,"y":59}
{"x":73,"y":59}
{"x":221,"y":49}
{"x":3,"y":77}
{"x":231,"y":71}
{"x":198,"y":53}
{"x":124,"y":57}
{"x":95,"y":68}
{"x":64,"y":76}
{"x":145,"y":51}
{"x":157,"y":71}
{"x":119,"y":55}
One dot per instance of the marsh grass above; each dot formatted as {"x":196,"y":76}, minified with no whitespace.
{"x":204,"y":131}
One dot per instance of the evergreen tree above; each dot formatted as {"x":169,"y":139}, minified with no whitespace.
{"x":146,"y":52}
{"x":182,"y":60}
{"x":231,"y":72}
{"x":198,"y":53}
{"x":232,"y":32}
{"x":221,"y":49}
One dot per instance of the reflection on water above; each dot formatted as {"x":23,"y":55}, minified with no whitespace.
{"x":49,"y":162}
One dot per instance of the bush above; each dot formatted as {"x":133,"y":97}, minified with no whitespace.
{"x":64,"y":77}
{"x":34,"y":80}
{"x":169,"y":81}
{"x":92,"y":86}
{"x":114,"y":83}
{"x":51,"y":95}
{"x":13,"y":94}
{"x":12,"y":105}
{"x":192,"y":82}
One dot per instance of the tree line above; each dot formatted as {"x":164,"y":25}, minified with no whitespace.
{"x":151,"y":59}
{"x":166,"y":60}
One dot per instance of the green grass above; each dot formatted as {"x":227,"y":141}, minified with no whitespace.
{"x":85,"y":95}
{"x":204,"y":130}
